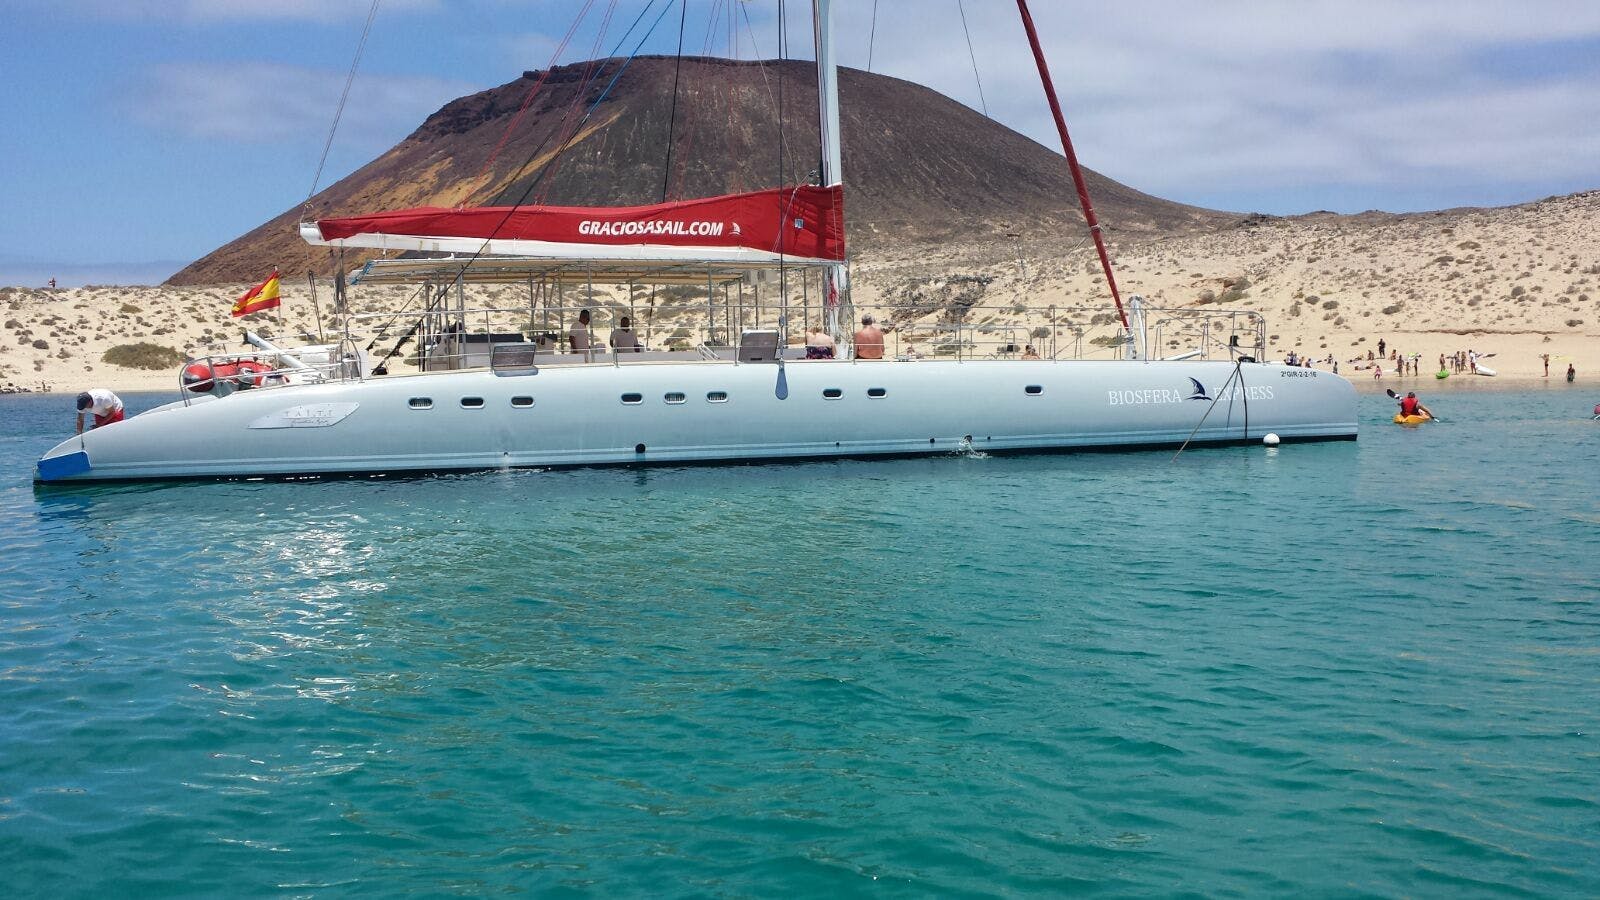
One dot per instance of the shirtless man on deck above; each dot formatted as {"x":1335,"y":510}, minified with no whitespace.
{"x":869,"y":340}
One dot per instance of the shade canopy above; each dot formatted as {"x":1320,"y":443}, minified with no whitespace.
{"x":574,"y":271}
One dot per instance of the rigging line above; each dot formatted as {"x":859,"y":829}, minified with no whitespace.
{"x":1237,"y":373}
{"x":527,"y":99}
{"x":349,"y":80}
{"x":783,"y":57}
{"x":568,"y":127}
{"x":872,"y":35}
{"x":755,"y":54}
{"x":672,"y":117}
{"x":531,"y":157}
{"x":783,"y":48}
{"x":961,"y":6}
{"x":510,"y":211}
{"x":691,"y":113}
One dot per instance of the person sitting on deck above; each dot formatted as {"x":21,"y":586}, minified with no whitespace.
{"x":819,"y":344}
{"x":579,"y":339}
{"x":623,"y":340}
{"x":869,"y":340}
{"x":106,"y":407}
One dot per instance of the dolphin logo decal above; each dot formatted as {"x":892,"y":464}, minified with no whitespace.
{"x":1199,"y":390}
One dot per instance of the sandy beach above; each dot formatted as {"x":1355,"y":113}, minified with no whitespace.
{"x":1514,"y":284}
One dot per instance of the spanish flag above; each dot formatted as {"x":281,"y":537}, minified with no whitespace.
{"x":262,"y":296}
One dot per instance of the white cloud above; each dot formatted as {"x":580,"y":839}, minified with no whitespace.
{"x":269,"y":102}
{"x":1228,"y":95}
{"x":225,"y":10}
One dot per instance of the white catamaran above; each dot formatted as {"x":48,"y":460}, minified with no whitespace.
{"x":500,"y":397}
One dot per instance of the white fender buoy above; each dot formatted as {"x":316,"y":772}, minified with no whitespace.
{"x":1271,"y":440}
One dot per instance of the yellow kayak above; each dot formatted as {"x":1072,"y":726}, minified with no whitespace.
{"x":1410,"y":420}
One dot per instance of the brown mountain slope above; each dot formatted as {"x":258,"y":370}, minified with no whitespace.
{"x":918,"y":165}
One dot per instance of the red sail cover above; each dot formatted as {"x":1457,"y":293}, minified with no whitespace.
{"x":802,"y":221}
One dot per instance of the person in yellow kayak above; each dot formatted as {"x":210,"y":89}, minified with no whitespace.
{"x":1411,"y":406}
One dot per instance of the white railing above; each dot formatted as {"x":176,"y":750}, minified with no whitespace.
{"x":457,"y":338}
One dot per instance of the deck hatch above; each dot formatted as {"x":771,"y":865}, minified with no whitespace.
{"x":632,"y":398}
{"x":877,"y":392}
{"x":1034,"y":389}
{"x":832,"y":393}
{"x":716,"y":396}
{"x":675,"y":397}
{"x":420,"y":403}
{"x":522,"y":401}
{"x":472,"y":403}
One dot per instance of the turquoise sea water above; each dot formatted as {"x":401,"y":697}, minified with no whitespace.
{"x":1368,"y":668}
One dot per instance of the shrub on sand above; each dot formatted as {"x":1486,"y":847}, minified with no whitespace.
{"x":143,"y":356}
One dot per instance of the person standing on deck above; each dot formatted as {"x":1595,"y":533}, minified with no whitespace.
{"x":869,"y":340}
{"x":580,"y":338}
{"x":104,"y":405}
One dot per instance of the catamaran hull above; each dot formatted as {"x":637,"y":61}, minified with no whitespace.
{"x":656,"y":413}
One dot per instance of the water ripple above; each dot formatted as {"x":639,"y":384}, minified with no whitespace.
{"x":1355,"y":669}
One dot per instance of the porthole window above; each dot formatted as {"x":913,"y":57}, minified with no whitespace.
{"x":876,"y":392}
{"x":472,"y":403}
{"x":420,"y":403}
{"x":832,"y":393}
{"x":1034,"y":389}
{"x":675,"y":397}
{"x":717,"y":397}
{"x":522,"y":402}
{"x":631,"y":398}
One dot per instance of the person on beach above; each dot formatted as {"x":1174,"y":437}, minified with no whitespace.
{"x":1381,"y":345}
{"x":1572,"y":373}
{"x":1377,"y":371}
{"x":622,"y":337}
{"x":579,"y":338}
{"x":1410,"y":406}
{"x":1029,"y":353}
{"x":104,"y":405}
{"x":1546,"y":358}
{"x":819,"y":343}
{"x":869,"y":340}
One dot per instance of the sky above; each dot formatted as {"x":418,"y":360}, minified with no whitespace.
{"x":138,"y":135}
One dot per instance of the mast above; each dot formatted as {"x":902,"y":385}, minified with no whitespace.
{"x":827,"y":92}
{"x":1072,"y":161}
{"x":832,"y":168}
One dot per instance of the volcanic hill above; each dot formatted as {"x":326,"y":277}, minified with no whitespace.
{"x":918,"y":165}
